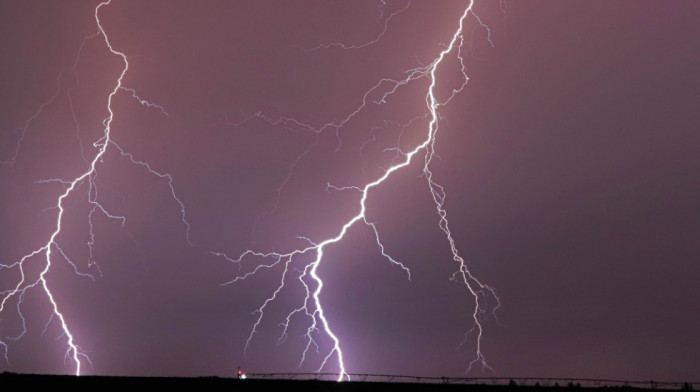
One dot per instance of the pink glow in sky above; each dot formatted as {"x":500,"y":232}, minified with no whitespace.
{"x":570,"y":162}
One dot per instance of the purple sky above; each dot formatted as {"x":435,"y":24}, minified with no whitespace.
{"x":571,"y":164}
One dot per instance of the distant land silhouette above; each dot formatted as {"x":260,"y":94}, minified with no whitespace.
{"x":85,"y":383}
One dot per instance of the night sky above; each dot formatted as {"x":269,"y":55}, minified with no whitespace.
{"x":570,"y":163}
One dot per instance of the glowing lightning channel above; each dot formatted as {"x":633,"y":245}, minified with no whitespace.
{"x":368,"y":43}
{"x":73,"y":351}
{"x":144,"y":102}
{"x":311,"y":306}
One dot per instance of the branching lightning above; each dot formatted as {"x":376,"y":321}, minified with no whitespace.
{"x":385,"y":27}
{"x":310,"y":308}
{"x":51,"y":248}
{"x":311,"y":305}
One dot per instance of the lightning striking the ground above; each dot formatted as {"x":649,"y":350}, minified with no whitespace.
{"x":311,"y":306}
{"x":337,"y":187}
{"x":312,"y":254}
{"x":48,"y":254}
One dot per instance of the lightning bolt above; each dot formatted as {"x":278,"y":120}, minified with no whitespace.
{"x":311,"y":306}
{"x":379,"y":36}
{"x":47,"y":250}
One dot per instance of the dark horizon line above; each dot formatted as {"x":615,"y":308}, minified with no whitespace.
{"x":454,"y":378}
{"x":373,"y":377}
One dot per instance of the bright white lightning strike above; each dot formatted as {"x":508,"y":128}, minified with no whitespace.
{"x":311,"y":305}
{"x":73,"y":351}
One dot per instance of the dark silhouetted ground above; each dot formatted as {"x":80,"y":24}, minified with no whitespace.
{"x":92,"y":383}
